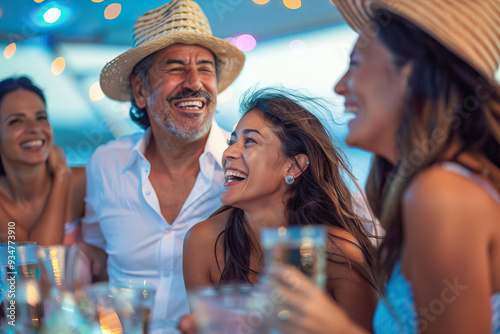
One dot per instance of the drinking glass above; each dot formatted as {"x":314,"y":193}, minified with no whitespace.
{"x":300,"y":246}
{"x":21,"y":304}
{"x":234,"y":308}
{"x":96,"y":305}
{"x":133,"y":304}
{"x":118,"y":307}
{"x":63,"y":271}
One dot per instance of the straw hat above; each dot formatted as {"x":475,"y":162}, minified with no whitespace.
{"x":179,"y":21}
{"x":469,"y":28}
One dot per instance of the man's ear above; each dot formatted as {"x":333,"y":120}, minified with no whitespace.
{"x":301,"y":164}
{"x":139,"y":91}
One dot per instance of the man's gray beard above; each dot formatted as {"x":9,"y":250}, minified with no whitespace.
{"x":187,"y":134}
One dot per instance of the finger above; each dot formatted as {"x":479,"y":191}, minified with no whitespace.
{"x":290,"y":277}
{"x":289,"y":299}
{"x":291,"y":323}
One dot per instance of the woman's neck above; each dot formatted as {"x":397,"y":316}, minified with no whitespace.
{"x":266,"y":217}
{"x":25,"y":183}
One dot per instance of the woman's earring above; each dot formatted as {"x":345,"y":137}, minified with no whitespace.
{"x":289,"y":179}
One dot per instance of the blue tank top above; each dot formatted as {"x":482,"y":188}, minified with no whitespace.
{"x":396,"y":312}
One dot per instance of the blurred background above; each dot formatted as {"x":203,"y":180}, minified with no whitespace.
{"x":63,"y":45}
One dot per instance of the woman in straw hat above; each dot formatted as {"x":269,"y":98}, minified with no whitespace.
{"x":421,"y":87}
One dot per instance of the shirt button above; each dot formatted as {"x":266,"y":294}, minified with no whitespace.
{"x":146,"y":171}
{"x":165,"y":274}
{"x":148,"y":192}
{"x":167,"y":231}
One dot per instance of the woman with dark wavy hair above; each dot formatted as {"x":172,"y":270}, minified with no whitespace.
{"x":41,"y":198}
{"x":282,"y":169}
{"x":421,"y":84}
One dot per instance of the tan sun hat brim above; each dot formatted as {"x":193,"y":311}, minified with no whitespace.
{"x":115,"y":76}
{"x":470,"y":29}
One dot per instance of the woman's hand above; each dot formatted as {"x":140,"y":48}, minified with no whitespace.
{"x":57,"y":164}
{"x":186,"y":324}
{"x":305,"y":308}
{"x":49,"y":227}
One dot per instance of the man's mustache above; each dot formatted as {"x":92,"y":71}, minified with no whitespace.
{"x":191,"y":94}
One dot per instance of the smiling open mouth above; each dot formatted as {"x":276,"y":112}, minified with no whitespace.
{"x":32,"y":143}
{"x":233,"y":176}
{"x":190,"y":105}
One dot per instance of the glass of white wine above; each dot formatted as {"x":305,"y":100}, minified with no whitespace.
{"x":300,"y":246}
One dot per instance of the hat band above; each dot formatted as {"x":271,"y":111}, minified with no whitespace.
{"x":146,"y":36}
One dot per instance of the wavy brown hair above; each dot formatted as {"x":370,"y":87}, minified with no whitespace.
{"x":318,"y":196}
{"x":448,"y":102}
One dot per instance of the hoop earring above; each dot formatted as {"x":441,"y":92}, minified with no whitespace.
{"x":289,"y":179}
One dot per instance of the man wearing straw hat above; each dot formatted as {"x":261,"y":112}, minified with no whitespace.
{"x":146,"y":190}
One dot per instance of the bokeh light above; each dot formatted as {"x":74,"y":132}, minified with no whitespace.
{"x":261,"y":2}
{"x":52,"y":15}
{"x":38,"y":1}
{"x":58,"y":66}
{"x":97,"y":1}
{"x":1,"y":12}
{"x":245,"y":42}
{"x":112,"y":11}
{"x":298,"y":47}
{"x":292,"y":4}
{"x":95,"y":92}
{"x":225,"y":96}
{"x":9,"y":50}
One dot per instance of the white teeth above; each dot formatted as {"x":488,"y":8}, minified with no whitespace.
{"x":191,"y":105}
{"x":351,"y":110}
{"x":33,"y":143}
{"x":232,"y":176}
{"x":235,"y":173}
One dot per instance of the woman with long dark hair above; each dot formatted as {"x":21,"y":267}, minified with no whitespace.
{"x":40,"y":196}
{"x":422,"y":87}
{"x":282,"y":169}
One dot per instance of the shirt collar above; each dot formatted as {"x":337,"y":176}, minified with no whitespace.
{"x":139,"y":149}
{"x":215,"y":145}
{"x":216,"y":142}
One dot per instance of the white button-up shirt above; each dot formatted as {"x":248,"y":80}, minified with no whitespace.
{"x":123,"y":216}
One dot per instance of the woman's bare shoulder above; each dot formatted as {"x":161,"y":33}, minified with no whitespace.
{"x":437,"y":183}
{"x":344,"y":244}
{"x":199,"y":261}
{"x":209,"y":229}
{"x":78,"y":172}
{"x":77,"y":190}
{"x":78,"y":178}
{"x":438,"y":195}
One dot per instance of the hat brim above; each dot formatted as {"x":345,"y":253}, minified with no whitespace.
{"x":115,"y":76}
{"x":358,"y":13}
